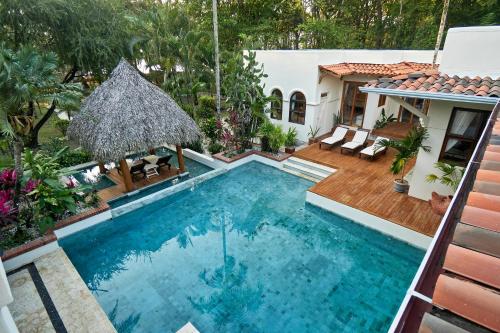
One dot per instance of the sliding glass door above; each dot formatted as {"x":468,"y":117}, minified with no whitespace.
{"x":353,"y":104}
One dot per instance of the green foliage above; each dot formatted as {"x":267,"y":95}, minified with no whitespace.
{"x":245,"y":96}
{"x":384,"y":120}
{"x":291,"y":137}
{"x":62,"y":125}
{"x":210,"y":128}
{"x":206,"y":108}
{"x":451,"y":175}
{"x":407,"y":148}
{"x":87,"y":35}
{"x":273,"y":137}
{"x":313,"y":131}
{"x":196,"y":146}
{"x":215,"y":148}
{"x":277,"y":139}
{"x":52,"y":199}
{"x":66,"y":157}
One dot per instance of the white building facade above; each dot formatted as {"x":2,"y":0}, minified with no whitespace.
{"x":449,"y":116}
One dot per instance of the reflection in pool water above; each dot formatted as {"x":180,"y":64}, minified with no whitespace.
{"x":243,"y":252}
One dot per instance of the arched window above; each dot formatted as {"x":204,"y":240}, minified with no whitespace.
{"x":297,"y":108}
{"x":277,"y":104}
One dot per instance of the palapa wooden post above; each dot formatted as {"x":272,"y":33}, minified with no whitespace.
{"x":127,"y":178}
{"x":152,"y":151}
{"x":102,"y":169}
{"x":180,"y":158}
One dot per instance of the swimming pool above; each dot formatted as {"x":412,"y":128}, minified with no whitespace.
{"x":243,"y":252}
{"x":193,"y":167}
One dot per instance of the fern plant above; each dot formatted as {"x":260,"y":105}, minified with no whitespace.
{"x":451,"y":175}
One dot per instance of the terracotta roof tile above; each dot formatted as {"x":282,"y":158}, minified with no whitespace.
{"x":485,"y":201}
{"x":473,"y":265}
{"x":435,"y":82}
{"x":469,"y":300}
{"x":477,"y":239}
{"x":392,"y":70}
{"x":481,"y":217}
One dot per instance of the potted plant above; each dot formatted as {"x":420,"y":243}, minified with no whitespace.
{"x":407,"y":149}
{"x":276,"y":139}
{"x":290,"y":139}
{"x":450,"y":176}
{"x":265,"y":131}
{"x":313,"y":132}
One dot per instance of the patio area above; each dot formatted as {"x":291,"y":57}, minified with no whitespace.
{"x":367,"y":186}
{"x":139,"y":182}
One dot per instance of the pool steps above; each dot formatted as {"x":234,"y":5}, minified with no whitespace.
{"x":188,"y":328}
{"x":312,"y":171}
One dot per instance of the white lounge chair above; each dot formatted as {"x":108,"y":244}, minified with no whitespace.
{"x":357,"y":142}
{"x":337,"y":137}
{"x":374,"y":150}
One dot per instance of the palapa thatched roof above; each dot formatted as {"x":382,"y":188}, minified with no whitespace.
{"x":128,"y":113}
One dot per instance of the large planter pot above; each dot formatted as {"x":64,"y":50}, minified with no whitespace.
{"x":439,"y":203}
{"x":289,"y":150}
{"x":313,"y":140}
{"x":401,"y":186}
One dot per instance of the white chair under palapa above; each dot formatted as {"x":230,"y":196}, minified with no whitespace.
{"x":375,"y":149}
{"x":357,"y":142}
{"x":338,"y":136}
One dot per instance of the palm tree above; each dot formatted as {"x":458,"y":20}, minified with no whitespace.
{"x":407,"y":149}
{"x":28,"y":83}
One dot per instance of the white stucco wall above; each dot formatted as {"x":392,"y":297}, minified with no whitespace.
{"x":297,"y":70}
{"x":472,"y":51}
{"x":439,"y":116}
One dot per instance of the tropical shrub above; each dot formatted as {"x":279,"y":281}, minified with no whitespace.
{"x":313,"y":131}
{"x":211,"y":129}
{"x":407,"y":149}
{"x":215,"y":148}
{"x":277,"y":139}
{"x":62,"y":125}
{"x":52,"y":198}
{"x":291,"y":137}
{"x":384,"y":120}
{"x":265,"y":131}
{"x":206,"y":108}
{"x":66,"y":157}
{"x":451,"y":175}
{"x":196,"y":146}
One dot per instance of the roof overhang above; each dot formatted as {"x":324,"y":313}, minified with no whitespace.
{"x":432,"y":95}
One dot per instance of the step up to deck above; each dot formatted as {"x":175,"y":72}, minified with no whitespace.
{"x":310,"y":170}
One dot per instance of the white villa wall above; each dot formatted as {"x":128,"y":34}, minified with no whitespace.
{"x":472,"y":51}
{"x":297,"y":70}
{"x":439,"y":116}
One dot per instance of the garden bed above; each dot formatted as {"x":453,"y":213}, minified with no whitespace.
{"x":222,"y":156}
{"x":50,"y":236}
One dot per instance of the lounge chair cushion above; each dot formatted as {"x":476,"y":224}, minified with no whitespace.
{"x":372,"y":150}
{"x":352,"y":145}
{"x":337,"y":136}
{"x":357,"y":141}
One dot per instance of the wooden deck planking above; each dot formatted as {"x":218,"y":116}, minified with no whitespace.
{"x":119,"y":189}
{"x":367,"y":186}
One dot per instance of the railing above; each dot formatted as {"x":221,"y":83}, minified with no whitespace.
{"x":419,"y":296}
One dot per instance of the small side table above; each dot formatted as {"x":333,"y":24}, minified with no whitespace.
{"x":151,"y":170}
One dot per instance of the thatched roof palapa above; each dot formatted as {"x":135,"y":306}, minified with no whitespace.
{"x":128,"y":113}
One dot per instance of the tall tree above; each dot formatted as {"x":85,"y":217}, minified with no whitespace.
{"x":29,"y":82}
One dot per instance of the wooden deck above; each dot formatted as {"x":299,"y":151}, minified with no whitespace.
{"x":367,"y":186}
{"x":119,"y":189}
{"x":394,"y":130}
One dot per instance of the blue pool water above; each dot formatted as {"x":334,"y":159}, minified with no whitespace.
{"x":193,"y":167}
{"x":243,"y":252}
